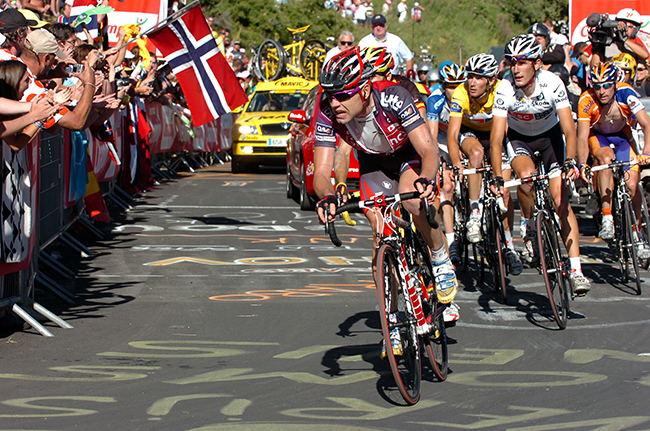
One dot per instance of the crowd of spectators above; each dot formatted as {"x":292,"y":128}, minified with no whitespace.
{"x":362,"y":11}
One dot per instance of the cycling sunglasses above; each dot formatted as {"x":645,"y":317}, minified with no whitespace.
{"x":343,"y":96}
{"x":345,"y":42}
{"x":517,"y":59}
{"x":606,"y":86}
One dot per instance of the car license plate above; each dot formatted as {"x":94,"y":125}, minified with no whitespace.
{"x":277,"y":142}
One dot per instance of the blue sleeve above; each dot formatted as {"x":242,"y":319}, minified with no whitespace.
{"x":435,"y":103}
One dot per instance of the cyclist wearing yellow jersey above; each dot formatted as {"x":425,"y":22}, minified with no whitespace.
{"x":470,"y":123}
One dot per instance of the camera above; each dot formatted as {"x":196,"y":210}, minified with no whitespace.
{"x":123,"y":82}
{"x":74,"y":68}
{"x":603,"y":30}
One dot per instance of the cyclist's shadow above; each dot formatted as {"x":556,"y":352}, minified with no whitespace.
{"x":352,"y":355}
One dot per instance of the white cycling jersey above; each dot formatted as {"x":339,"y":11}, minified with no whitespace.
{"x":532,"y":115}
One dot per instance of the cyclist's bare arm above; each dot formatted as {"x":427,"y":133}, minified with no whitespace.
{"x":420,"y":138}
{"x":583,"y":142}
{"x":433,"y":128}
{"x":496,"y":143}
{"x":569,"y":130}
{"x":644,"y":121}
{"x":452,"y":140}
{"x":342,"y":162}
{"x":323,"y":163}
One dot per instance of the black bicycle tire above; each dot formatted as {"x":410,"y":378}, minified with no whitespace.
{"x":282,"y":60}
{"x":315,"y":64}
{"x":645,"y":215}
{"x":496,"y":252}
{"x":630,"y":223}
{"x":550,"y":264}
{"x":407,"y":370}
{"x":460,"y":207}
{"x":619,"y":238}
{"x":435,"y":344}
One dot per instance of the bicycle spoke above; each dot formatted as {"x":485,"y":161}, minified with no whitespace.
{"x":551,"y":266}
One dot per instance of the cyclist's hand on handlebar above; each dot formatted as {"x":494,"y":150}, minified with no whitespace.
{"x":341,"y":193}
{"x":326,"y":209}
{"x":643,"y":159}
{"x":570,"y":170}
{"x":497,"y":186}
{"x":585,"y":173}
{"x":425,"y":186}
{"x":458,"y":171}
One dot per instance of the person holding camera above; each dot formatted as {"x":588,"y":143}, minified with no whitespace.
{"x":614,"y":36}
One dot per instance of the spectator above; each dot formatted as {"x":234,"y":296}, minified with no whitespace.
{"x":360,"y":14}
{"x":65,"y":17}
{"x":346,"y":41}
{"x":402,"y":10}
{"x":393,"y":43}
{"x":416,"y":12}
{"x":556,"y":38}
{"x":37,"y":6}
{"x":552,"y":54}
{"x":641,"y":81}
{"x":386,"y":7}
{"x":13,"y":26}
{"x":18,"y":131}
{"x":580,"y":71}
{"x":370,"y":12}
{"x":222,"y":39}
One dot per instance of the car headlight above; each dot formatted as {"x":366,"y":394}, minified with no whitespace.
{"x":248,"y":130}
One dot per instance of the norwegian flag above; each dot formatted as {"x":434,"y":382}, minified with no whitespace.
{"x":210,"y":85}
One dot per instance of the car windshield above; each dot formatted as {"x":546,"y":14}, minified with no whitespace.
{"x":271,"y":101}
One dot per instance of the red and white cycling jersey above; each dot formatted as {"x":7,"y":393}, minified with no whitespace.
{"x":532,"y":115}
{"x":383,"y":132}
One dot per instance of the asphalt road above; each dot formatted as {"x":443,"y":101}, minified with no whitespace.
{"x":218,"y":305}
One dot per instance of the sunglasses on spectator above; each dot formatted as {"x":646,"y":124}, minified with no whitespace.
{"x":345,"y":42}
{"x":606,"y":86}
{"x":641,"y":69}
{"x":343,"y":96}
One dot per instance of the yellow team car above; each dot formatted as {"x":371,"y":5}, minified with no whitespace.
{"x":259,"y":136}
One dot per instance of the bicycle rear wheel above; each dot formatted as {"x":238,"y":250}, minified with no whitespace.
{"x":630,"y":242}
{"x":312,"y":56}
{"x":552,"y":268}
{"x":461,"y":204}
{"x":406,"y":368}
{"x":271,"y":60}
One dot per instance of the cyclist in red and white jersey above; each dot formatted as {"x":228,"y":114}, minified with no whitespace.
{"x":533,"y":104}
{"x":394,"y":149}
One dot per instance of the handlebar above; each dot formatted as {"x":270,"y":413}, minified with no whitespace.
{"x":379,"y":202}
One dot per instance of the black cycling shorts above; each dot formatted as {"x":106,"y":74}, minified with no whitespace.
{"x":550,"y":144}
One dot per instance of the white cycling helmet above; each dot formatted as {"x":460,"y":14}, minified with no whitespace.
{"x":629,"y":14}
{"x":523,"y":47}
{"x":482,"y":65}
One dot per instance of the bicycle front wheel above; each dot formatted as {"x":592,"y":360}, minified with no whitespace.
{"x":552,"y":268}
{"x":271,"y":60}
{"x":406,"y":368}
{"x":496,"y":250}
{"x":312,"y":56}
{"x":631,"y":241}
{"x":435,"y":343}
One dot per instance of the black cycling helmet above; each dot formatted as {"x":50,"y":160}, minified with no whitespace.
{"x":345,"y":71}
{"x":539,"y":29}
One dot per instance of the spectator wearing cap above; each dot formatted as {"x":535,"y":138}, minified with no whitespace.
{"x":221,"y":40}
{"x":40,"y":54}
{"x":580,"y":69}
{"x":416,"y":12}
{"x":31,"y":16}
{"x":346,"y":42}
{"x":66,"y":16}
{"x":393,"y":43}
{"x":38,"y":6}
{"x":13,"y":26}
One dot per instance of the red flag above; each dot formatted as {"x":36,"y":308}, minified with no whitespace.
{"x":210,"y":85}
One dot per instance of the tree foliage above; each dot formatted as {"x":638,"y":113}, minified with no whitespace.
{"x":453,"y":29}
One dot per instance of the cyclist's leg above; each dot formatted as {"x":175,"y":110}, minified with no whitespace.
{"x":473,"y":149}
{"x":446,"y":282}
{"x":446,"y":209}
{"x":522,"y":164}
{"x":603,"y":154}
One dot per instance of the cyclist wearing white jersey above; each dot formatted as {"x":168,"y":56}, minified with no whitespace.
{"x":533,"y":105}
